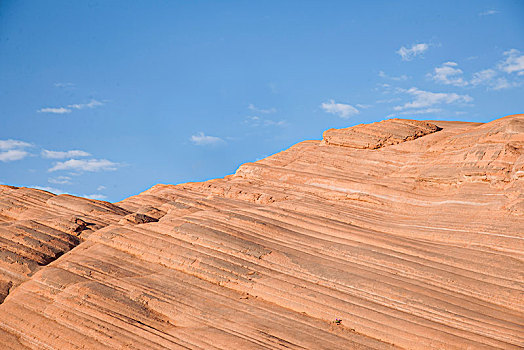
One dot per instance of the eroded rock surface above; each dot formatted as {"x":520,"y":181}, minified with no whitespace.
{"x":37,"y":227}
{"x":379,"y":134}
{"x":412,"y":235}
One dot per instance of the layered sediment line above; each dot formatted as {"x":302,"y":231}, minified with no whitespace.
{"x":37,"y":227}
{"x":411,"y":235}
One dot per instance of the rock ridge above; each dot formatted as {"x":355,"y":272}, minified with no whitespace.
{"x":410,"y":236}
{"x":380,"y":134}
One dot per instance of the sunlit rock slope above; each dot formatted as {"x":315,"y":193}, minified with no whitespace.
{"x":411,"y":233}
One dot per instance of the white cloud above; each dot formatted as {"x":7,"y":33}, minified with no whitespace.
{"x":488,"y":13}
{"x":50,"y":189}
{"x":13,"y":150}
{"x":12,"y":144}
{"x":12,"y":155}
{"x":58,"y":191}
{"x":261,"y":110}
{"x":91,"y":104}
{"x":420,"y":111}
{"x":85,"y":165}
{"x":55,"y":110}
{"x":64,"y":154}
{"x":449,"y":74}
{"x":60,"y":180}
{"x":96,"y":196}
{"x":69,"y":108}
{"x":255,"y":121}
{"x":268,"y":122}
{"x":490,"y":78}
{"x":399,"y":78}
{"x":514,"y":62}
{"x":503,"y":83}
{"x":389,"y":100}
{"x":483,"y":77}
{"x":426,"y":99}
{"x":363,"y":106}
{"x":200,"y":139}
{"x":408,"y":54}
{"x":342,"y":110}
{"x":100,"y":188}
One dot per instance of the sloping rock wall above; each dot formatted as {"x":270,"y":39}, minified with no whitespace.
{"x":411,"y":240}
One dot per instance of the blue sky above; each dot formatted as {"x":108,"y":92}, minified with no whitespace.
{"x":108,"y":98}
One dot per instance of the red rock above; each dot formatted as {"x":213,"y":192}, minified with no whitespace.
{"x":412,"y":234}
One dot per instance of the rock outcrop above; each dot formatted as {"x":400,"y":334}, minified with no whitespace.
{"x":411,"y":235}
{"x":380,"y":134}
{"x":37,"y":227}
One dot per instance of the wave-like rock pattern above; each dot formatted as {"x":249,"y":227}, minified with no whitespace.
{"x":414,"y":240}
{"x":37,"y":227}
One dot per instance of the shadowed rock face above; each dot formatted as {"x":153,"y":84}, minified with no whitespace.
{"x":37,"y":227}
{"x":411,"y":235}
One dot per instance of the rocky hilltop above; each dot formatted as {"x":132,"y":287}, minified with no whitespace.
{"x":397,"y":234}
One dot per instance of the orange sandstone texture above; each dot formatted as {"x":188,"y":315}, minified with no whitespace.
{"x":409,"y":232}
{"x":37,"y":227}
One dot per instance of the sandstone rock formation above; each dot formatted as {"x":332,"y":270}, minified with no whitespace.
{"x":380,"y":134}
{"x":409,"y":232}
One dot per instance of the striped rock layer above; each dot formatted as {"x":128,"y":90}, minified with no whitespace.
{"x":398,"y":234}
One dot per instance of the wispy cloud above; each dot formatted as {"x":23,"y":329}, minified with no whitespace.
{"x":483,"y":77}
{"x":511,"y":64}
{"x":96,"y":196}
{"x":399,"y":78}
{"x":488,"y":13}
{"x":81,"y":165}
{"x":57,"y":191}
{"x":490,"y":78}
{"x":12,"y":155}
{"x":426,"y":99}
{"x":69,"y":108}
{"x":201,"y":139}
{"x":64,"y":85}
{"x":342,"y":110}
{"x":50,"y":189}
{"x":261,"y":110}
{"x":389,"y":100}
{"x":60,"y":180}
{"x":91,"y":104}
{"x":514,"y":62}
{"x":12,"y":144}
{"x":493,"y":78}
{"x":54,"y":110}
{"x":418,"y":111}
{"x":12,"y":150}
{"x":503,"y":83}
{"x":64,"y":154}
{"x":415,"y":50}
{"x":448,"y":74}
{"x":256,"y":121}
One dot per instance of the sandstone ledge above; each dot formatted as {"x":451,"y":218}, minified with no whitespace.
{"x":380,"y":134}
